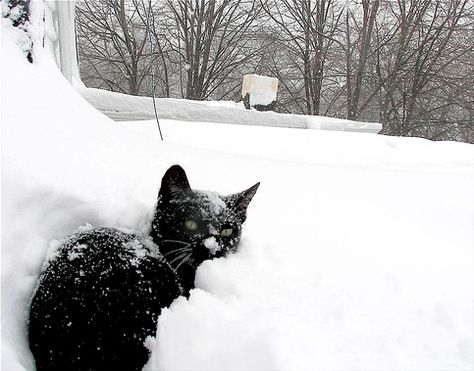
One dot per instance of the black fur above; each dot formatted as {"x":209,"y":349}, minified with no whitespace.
{"x":101,"y":294}
{"x":178,"y":203}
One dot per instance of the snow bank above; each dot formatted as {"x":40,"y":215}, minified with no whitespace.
{"x":63,"y":164}
{"x":325,"y":148}
{"x":122,"y":107}
{"x":358,"y":251}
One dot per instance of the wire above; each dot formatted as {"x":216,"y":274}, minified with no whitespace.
{"x":154,"y":106}
{"x":153,"y":75}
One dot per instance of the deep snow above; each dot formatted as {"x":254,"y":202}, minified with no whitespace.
{"x":358,"y":251}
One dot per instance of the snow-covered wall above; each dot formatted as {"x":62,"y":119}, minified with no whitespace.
{"x":123,"y":107}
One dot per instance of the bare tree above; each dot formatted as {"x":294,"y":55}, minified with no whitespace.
{"x":209,"y":38}
{"x":416,"y":70}
{"x":358,"y":51}
{"x":305,"y":29}
{"x":114,"y":43}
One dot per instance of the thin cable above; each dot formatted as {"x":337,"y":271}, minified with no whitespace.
{"x":152,"y":75}
{"x":154,"y":107}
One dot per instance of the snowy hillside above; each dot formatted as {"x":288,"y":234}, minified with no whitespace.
{"x":358,"y":250}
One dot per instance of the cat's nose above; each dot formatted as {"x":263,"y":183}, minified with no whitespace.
{"x":211,"y":244}
{"x":206,"y":246}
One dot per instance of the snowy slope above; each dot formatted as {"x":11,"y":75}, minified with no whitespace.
{"x":358,"y":251}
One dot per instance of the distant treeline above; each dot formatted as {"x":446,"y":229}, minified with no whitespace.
{"x":406,"y":64}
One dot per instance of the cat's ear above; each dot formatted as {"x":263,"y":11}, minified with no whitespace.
{"x":242,"y":200}
{"x":174,"y":180}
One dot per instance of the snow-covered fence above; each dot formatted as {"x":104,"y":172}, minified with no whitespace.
{"x":259,"y":92}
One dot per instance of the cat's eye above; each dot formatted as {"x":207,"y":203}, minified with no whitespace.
{"x":227,"y":232}
{"x":191,"y":225}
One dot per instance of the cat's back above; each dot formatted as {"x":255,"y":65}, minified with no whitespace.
{"x":97,"y":300}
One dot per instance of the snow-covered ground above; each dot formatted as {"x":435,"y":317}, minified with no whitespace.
{"x":358,"y":251}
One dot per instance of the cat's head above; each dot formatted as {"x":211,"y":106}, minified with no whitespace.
{"x":191,"y":226}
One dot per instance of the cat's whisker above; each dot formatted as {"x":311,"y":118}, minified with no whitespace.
{"x":180,"y":256}
{"x":183,"y":261}
{"x":175,"y":241}
{"x":190,"y":260}
{"x":175,"y":251}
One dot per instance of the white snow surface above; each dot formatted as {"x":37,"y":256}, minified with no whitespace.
{"x":123,"y":107}
{"x":357,"y":254}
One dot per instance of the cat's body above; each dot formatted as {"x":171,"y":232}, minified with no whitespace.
{"x":83,"y":315}
{"x":101,"y":294}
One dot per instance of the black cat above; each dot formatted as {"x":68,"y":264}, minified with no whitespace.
{"x":100,"y":296}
